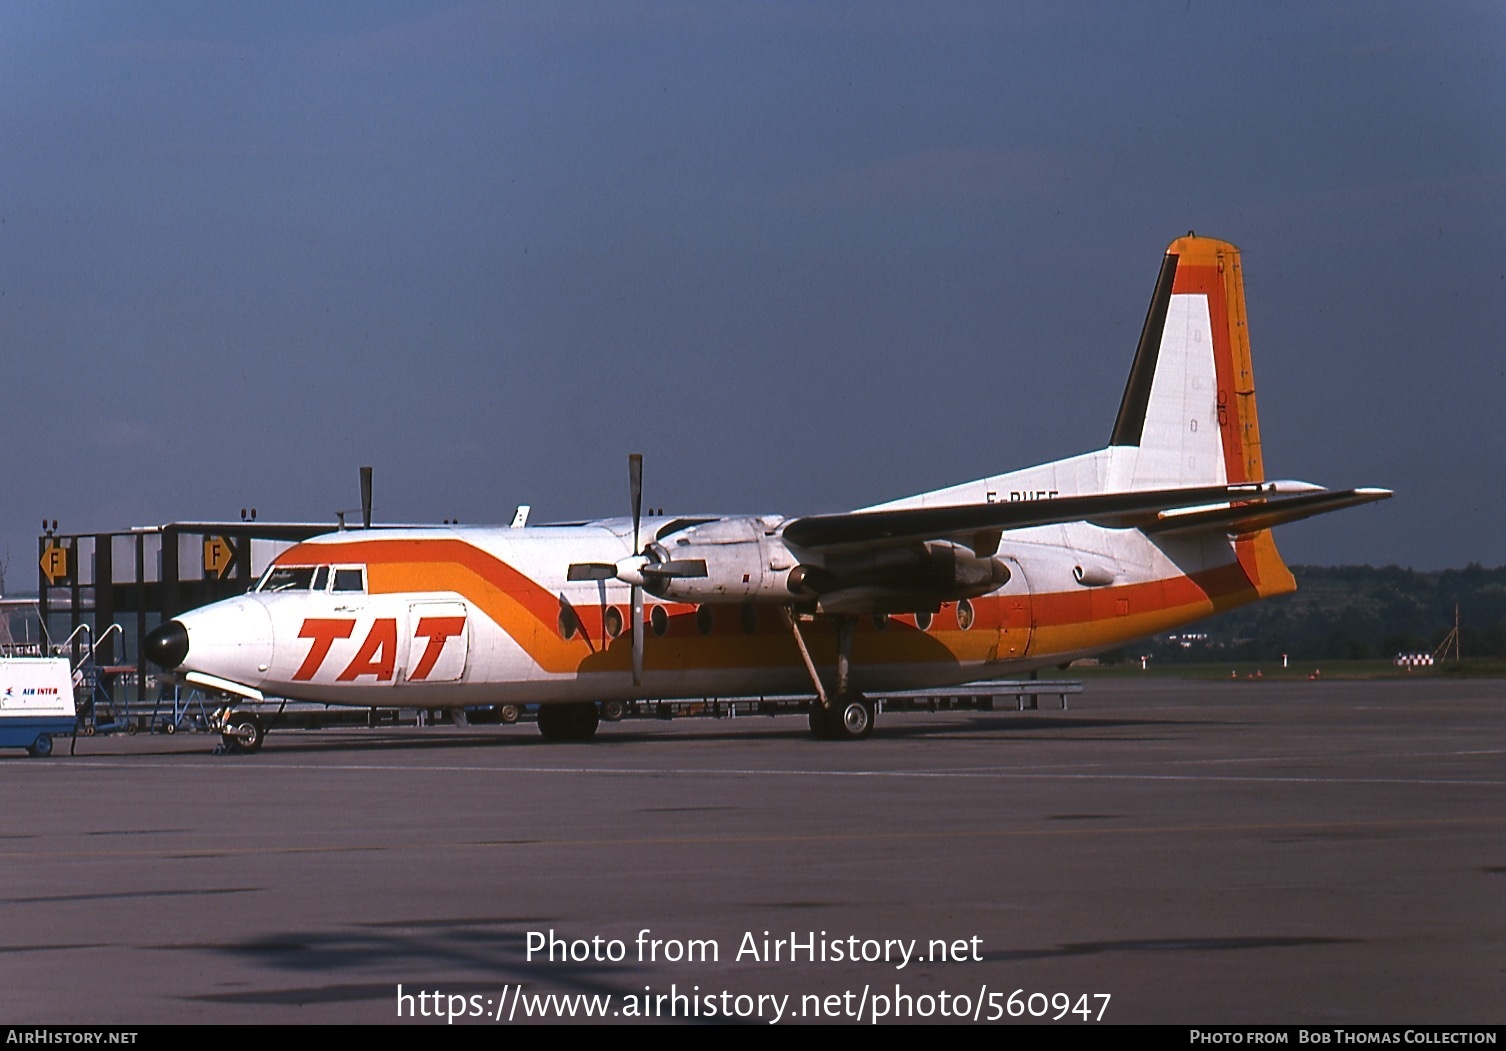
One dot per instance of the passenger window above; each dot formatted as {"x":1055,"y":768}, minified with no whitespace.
{"x":350,"y":579}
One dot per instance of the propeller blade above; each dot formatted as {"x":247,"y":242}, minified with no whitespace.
{"x":637,"y":635}
{"x":635,"y":488}
{"x":366,"y":498}
{"x":591,"y":571}
{"x":680,"y":567}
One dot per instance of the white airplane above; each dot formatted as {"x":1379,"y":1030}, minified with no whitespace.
{"x":1167,"y":524}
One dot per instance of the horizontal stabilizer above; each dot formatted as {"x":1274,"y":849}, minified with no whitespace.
{"x":1252,"y":518}
{"x":967,"y":523}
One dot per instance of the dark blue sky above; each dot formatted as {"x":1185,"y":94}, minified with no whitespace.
{"x":804,"y":256}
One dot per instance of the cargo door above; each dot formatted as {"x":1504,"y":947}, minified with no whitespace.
{"x":438,"y":642}
{"x":1018,"y":620}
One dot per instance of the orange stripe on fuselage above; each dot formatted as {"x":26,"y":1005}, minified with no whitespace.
{"x":1104,"y":617}
{"x":1064,"y":622}
{"x":518,"y":605}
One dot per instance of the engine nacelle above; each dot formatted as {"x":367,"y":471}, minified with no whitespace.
{"x":744,"y":560}
{"x":916,"y":576}
{"x":957,"y":568}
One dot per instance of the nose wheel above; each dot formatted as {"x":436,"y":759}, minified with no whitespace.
{"x":243,"y":732}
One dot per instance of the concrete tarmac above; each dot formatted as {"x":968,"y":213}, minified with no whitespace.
{"x":1326,"y":853}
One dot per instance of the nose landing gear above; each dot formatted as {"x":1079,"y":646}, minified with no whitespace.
{"x":240,"y":732}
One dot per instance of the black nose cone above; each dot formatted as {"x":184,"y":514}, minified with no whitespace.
{"x":166,"y":646}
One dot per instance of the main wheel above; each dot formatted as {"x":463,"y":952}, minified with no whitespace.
{"x":509,"y":713}
{"x":852,"y":718}
{"x":568,"y":722}
{"x":549,"y":722}
{"x":820,"y":720}
{"x":243,"y":732}
{"x":42,"y":746}
{"x":613,"y":711}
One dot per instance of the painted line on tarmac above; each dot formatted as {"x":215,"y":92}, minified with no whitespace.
{"x":1077,"y":831}
{"x":1011,"y":774}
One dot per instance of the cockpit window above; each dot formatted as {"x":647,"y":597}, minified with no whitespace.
{"x":288,"y":578}
{"x":315,"y":578}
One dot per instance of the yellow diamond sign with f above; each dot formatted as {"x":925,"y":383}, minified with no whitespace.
{"x":54,"y":562}
{"x":218,"y":554}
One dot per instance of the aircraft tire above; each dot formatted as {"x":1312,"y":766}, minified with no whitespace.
{"x":509,"y":713}
{"x":42,"y":746}
{"x":568,"y":722}
{"x":583,"y":721}
{"x":613,"y":711}
{"x":852,"y":718}
{"x":820,"y":720}
{"x":243,"y":733}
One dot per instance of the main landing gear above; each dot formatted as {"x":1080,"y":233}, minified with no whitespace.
{"x":844,"y":715}
{"x":848,"y":719}
{"x":576,"y":721}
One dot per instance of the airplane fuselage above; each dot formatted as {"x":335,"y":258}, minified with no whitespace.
{"x":447,"y":618}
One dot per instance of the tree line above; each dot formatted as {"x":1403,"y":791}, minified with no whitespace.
{"x":1355,"y":613}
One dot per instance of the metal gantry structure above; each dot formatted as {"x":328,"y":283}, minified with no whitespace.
{"x":120,"y":585}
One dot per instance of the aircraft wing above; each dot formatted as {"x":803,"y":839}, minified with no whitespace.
{"x":978,"y":525}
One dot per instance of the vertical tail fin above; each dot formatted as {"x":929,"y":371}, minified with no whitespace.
{"x":1188,"y":413}
{"x":1188,"y":410}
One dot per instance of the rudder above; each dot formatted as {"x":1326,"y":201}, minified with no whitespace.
{"x":1188,"y":411}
